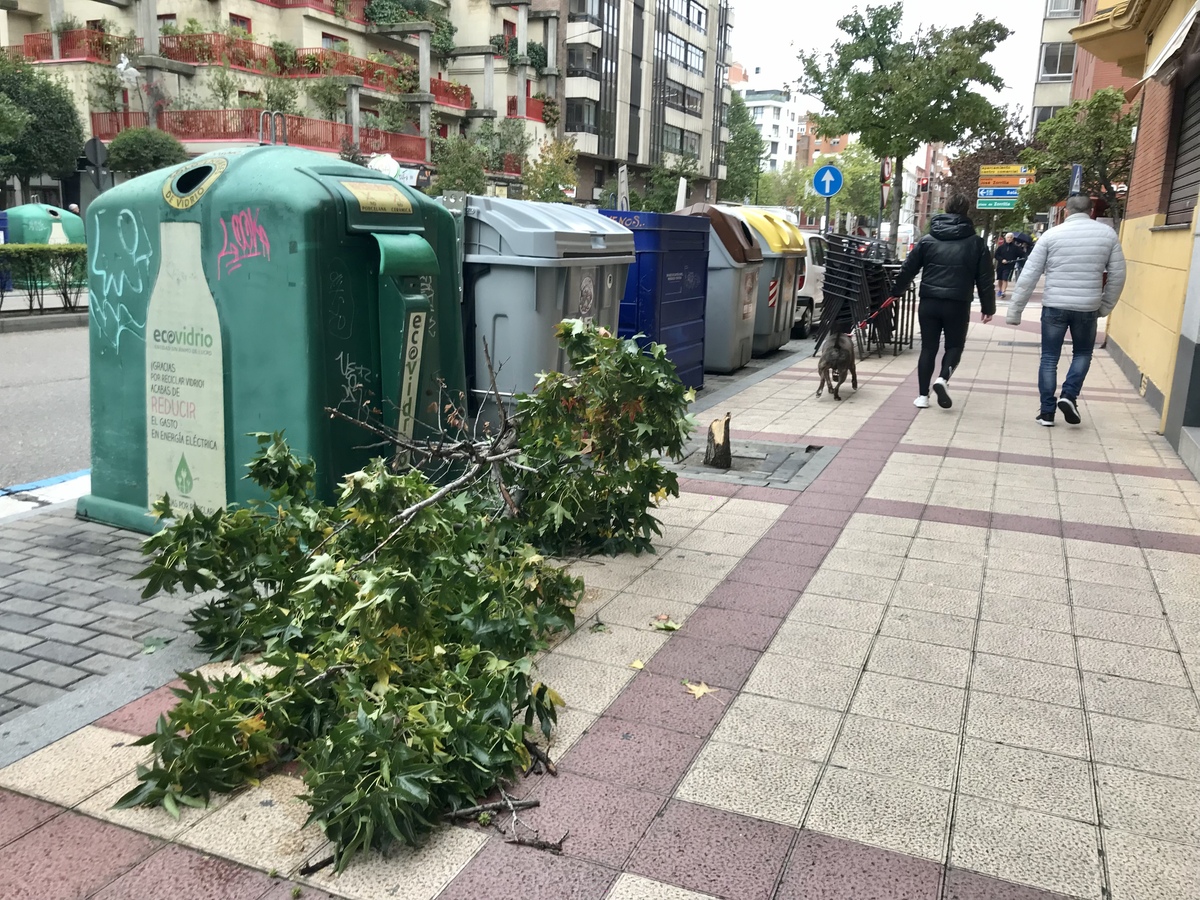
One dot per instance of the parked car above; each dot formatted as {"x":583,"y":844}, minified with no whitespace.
{"x":810,"y":290}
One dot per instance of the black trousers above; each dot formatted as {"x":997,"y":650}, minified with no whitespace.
{"x":937,"y":318}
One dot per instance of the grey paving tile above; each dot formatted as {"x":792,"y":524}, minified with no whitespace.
{"x":102,"y":663}
{"x":1144,"y":746}
{"x":924,"y":662}
{"x":9,"y":681}
{"x":49,"y":672}
{"x":936,"y":599}
{"x":31,"y":591}
{"x":67,"y":615}
{"x":1151,"y":805}
{"x":1132,"y":661}
{"x":116,"y":610}
{"x":1026,"y":679}
{"x":795,"y":730}
{"x":38,"y":563}
{"x":110,"y":643}
{"x":1027,"y":847}
{"x":1025,"y":643}
{"x":943,"y":574}
{"x":1142,"y":700}
{"x":80,"y":585}
{"x":1058,"y":785}
{"x":53,"y":651}
{"x":15,"y":640}
{"x":1026,"y":723}
{"x":1021,"y":584}
{"x":35,"y":694}
{"x":752,"y":782}
{"x":898,"y":750}
{"x":1026,"y":613}
{"x":922,"y":703}
{"x":839,"y":646}
{"x":929,"y":627}
{"x":1123,"y":628}
{"x":1135,"y":577}
{"x":1144,"y":867}
{"x":25,"y":607}
{"x":28,"y":575}
{"x":75,"y":600}
{"x":884,"y":812}
{"x":19,"y":623}
{"x":837,"y":612}
{"x":124,"y":627}
{"x":802,"y":681}
{"x":67,"y":634}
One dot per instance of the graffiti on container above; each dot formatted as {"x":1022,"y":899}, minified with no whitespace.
{"x":120,"y":265}
{"x":341,"y":309}
{"x":355,"y":378}
{"x":428,"y":290}
{"x":244,"y":239}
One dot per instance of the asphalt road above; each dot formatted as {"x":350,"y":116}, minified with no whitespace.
{"x":44,"y":412}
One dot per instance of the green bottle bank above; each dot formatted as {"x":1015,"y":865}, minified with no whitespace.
{"x":249,"y":291}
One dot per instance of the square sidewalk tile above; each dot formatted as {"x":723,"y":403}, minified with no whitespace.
{"x":1026,"y":847}
{"x":822,"y":867}
{"x":924,"y":662}
{"x":503,"y":871}
{"x":1151,"y":805}
{"x":1026,"y":679}
{"x":152,"y":820}
{"x":1058,"y":785}
{"x":187,"y":875}
{"x":1145,"y":747}
{"x":837,"y":646}
{"x":1132,"y":661}
{"x":1142,"y":700}
{"x":964,"y":885}
{"x":1026,"y":613}
{"x":794,"y":729}
{"x":583,"y":683}
{"x":615,"y":645}
{"x":1026,"y":723}
{"x":802,"y":681}
{"x":75,"y":767}
{"x":635,"y":887}
{"x":711,"y":851}
{"x":1025,"y":643}
{"x":837,"y":612}
{"x":922,"y":703}
{"x":751,"y":782}
{"x":897,"y":750}
{"x":883,"y":812}
{"x":634,"y":754}
{"x":666,"y":702}
{"x":1144,"y":867}
{"x":19,"y":814}
{"x":929,"y":627}
{"x":404,"y":873}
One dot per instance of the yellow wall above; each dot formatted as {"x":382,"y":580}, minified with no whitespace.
{"x":1146,"y":323}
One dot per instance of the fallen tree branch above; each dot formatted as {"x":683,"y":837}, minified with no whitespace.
{"x":540,"y":755}
{"x":499,"y":806}
{"x":537,"y":843}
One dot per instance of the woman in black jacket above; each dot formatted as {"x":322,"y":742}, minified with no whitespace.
{"x":953,"y":260}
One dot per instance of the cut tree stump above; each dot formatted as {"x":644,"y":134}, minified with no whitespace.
{"x":719,"y":453}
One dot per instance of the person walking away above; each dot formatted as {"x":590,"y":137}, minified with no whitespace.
{"x":1085,"y":273}
{"x":953,"y":260}
{"x":1008,"y":253}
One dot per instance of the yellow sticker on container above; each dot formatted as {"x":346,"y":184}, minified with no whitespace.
{"x":375,"y":197}
{"x":193,"y":180}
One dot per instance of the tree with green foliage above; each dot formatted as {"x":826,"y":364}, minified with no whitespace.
{"x":898,"y":93}
{"x":553,"y":170}
{"x":328,"y":95}
{"x":743,"y":154}
{"x":136,"y":151}
{"x":859,"y":196}
{"x":1001,"y":147}
{"x":13,"y":121}
{"x":52,"y":138}
{"x":460,"y":165}
{"x":1096,"y":133}
{"x":662,"y":184}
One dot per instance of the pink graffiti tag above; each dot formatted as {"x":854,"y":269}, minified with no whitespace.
{"x":249,"y":239}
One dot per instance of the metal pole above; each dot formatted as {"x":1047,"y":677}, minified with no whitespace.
{"x":828,"y":229}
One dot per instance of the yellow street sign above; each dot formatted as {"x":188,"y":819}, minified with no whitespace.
{"x":1005,"y":180}
{"x":1007,"y":170}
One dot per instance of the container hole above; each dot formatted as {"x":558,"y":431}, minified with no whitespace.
{"x":53,"y":212}
{"x":192,"y":179}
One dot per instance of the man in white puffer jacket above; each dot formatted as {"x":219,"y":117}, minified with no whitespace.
{"x":1075,"y":257}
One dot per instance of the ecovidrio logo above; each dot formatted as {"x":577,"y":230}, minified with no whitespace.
{"x":185,"y":337}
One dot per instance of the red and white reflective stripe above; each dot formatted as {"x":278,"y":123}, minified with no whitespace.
{"x":773,"y":292}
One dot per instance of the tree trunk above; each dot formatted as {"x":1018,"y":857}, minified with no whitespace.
{"x":897,"y":199}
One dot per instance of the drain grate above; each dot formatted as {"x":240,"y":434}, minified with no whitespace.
{"x":759,"y":463}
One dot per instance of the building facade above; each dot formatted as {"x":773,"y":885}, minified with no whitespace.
{"x":646,"y":85}
{"x":779,"y":120}
{"x":1154,"y":331}
{"x":207,"y":70}
{"x":1056,"y":59}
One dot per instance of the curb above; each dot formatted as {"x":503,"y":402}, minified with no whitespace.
{"x":43,"y":322}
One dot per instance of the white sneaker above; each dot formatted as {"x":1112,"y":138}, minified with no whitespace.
{"x":921,"y":402}
{"x":943,"y":395}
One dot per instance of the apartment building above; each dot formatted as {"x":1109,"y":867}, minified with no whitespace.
{"x":212,"y":71}
{"x":810,"y":144}
{"x":645,"y":85}
{"x":779,"y":120}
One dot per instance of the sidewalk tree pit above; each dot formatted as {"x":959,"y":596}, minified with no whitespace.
{"x":396,"y":626}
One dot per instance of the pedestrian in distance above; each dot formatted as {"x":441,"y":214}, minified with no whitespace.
{"x":953,"y":261}
{"x":1085,"y":273}
{"x":1008,"y":254}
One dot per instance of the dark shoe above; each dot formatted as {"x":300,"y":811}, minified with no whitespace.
{"x":943,"y":395}
{"x":1046,"y":419}
{"x":1070,"y":411}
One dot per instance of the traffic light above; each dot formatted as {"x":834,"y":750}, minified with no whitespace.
{"x":924,"y":182}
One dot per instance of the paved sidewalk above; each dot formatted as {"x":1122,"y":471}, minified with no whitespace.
{"x":959,"y":665}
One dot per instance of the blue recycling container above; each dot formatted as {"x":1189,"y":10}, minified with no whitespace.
{"x":667,"y":290}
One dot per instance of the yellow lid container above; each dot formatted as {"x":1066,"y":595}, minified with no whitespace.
{"x":781,"y":235}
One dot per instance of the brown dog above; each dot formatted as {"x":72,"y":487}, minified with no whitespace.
{"x":837,"y":359}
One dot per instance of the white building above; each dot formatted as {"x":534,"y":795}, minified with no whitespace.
{"x":781,"y":121}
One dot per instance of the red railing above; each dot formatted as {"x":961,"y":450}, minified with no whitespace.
{"x":241,"y":126}
{"x":79,"y":44}
{"x":447,"y":94}
{"x":534,"y":109}
{"x":352,"y":10}
{"x":204,"y":49}
{"x":512,"y":164}
{"x":320,"y":61}
{"x":38,"y":47}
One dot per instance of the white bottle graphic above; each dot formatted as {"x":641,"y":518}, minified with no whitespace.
{"x":185,"y":381}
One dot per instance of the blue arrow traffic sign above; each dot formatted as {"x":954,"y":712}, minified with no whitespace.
{"x":1076,"y":179}
{"x":828,"y":181}
{"x":999,"y":192}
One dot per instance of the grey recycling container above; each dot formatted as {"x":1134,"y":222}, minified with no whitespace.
{"x":528,"y":266}
{"x":735,"y":262}
{"x":783,"y":256}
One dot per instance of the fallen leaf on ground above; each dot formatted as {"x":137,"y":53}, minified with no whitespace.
{"x":599,"y":627}
{"x":637,"y":664}
{"x":666,"y":625}
{"x":150,"y":645}
{"x":699,"y":690}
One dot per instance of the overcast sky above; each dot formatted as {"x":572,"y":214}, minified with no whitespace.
{"x":769,"y":34}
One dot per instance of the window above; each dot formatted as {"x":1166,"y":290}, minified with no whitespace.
{"x":598,"y":177}
{"x":581,"y":115}
{"x":1058,"y":62}
{"x":1185,"y":177}
{"x":93,"y":24}
{"x":774,"y":131}
{"x":167,"y":20}
{"x":724,"y":113}
{"x":334,"y":42}
{"x":757,"y":113}
{"x":695,"y":58}
{"x":697,"y":15}
{"x":584,"y":10}
{"x":774,"y":148}
{"x":691,"y":143}
{"x":1064,"y":9}
{"x":676,"y":49}
{"x":790,"y":151}
{"x":236,"y":21}
{"x":1042,"y":113}
{"x":673,"y":93}
{"x":672,"y":139}
{"x":583,"y":61}
{"x":693,"y":102}
{"x":772,"y":165}
{"x":777,"y":113}
{"x":803,"y":129}
{"x":836,"y":142}
{"x":510,"y":29}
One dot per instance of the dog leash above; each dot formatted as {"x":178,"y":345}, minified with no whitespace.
{"x":886,"y":303}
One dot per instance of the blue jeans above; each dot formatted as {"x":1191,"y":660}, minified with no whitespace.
{"x":1055,"y":324}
